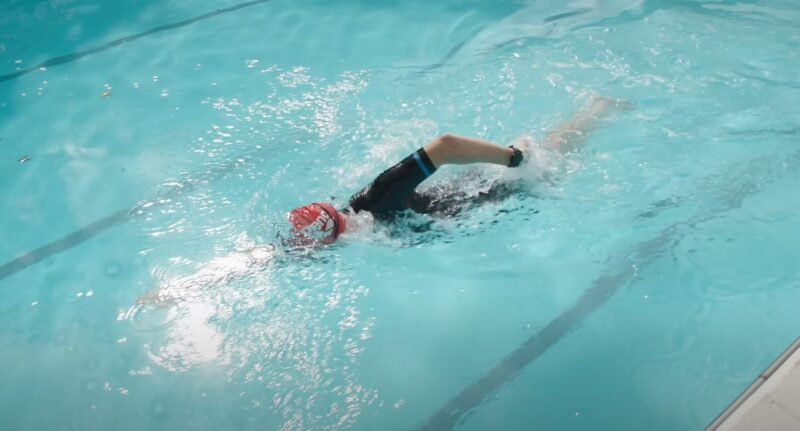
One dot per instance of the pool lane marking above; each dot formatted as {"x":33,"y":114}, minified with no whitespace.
{"x":189,"y":182}
{"x":87,"y":232}
{"x":56,"y":61}
{"x":602,"y":289}
{"x":68,"y":241}
{"x":473,"y":395}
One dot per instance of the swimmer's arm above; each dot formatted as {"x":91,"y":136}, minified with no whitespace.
{"x":461,"y":150}
{"x":216,"y":271}
{"x":569,"y":135}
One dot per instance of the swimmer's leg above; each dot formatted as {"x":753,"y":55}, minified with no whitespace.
{"x":572,"y":134}
{"x":461,"y":150}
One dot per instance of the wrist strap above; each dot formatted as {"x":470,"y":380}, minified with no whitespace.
{"x":516,"y":157}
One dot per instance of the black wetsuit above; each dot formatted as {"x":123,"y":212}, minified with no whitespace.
{"x":394,"y":191}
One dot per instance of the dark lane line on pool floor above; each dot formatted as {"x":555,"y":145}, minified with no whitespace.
{"x":740,"y":186}
{"x":68,"y":241}
{"x":87,"y":232}
{"x":56,"y":61}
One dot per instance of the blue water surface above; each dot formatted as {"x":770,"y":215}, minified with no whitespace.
{"x":643,"y":288}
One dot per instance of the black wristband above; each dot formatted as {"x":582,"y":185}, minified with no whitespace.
{"x":516,"y":157}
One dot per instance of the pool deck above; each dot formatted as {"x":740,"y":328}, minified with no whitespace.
{"x":771,"y":402}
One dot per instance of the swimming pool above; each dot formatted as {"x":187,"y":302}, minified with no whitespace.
{"x":153,"y":143}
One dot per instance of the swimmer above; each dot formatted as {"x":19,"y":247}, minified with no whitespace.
{"x":395,"y":190}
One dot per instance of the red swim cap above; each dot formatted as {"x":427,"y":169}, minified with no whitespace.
{"x":318,"y":221}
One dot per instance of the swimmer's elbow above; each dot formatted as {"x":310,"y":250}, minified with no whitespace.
{"x":448,"y":139}
{"x":447,"y":144}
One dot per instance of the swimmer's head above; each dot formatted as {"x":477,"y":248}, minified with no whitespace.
{"x":316,"y":223}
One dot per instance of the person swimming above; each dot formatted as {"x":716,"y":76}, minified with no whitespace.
{"x":395,"y":189}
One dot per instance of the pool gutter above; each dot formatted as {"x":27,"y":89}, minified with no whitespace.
{"x":771,"y":402}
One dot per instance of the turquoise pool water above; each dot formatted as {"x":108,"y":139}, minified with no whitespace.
{"x":155,"y":146}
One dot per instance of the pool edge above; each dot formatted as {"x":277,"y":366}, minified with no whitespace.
{"x":722,"y":419}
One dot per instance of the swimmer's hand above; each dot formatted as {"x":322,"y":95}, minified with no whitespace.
{"x":571,"y":134}
{"x":601,"y":105}
{"x":157,"y":298}
{"x":216,"y":271}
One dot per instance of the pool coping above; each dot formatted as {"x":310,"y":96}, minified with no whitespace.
{"x":757,"y":384}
